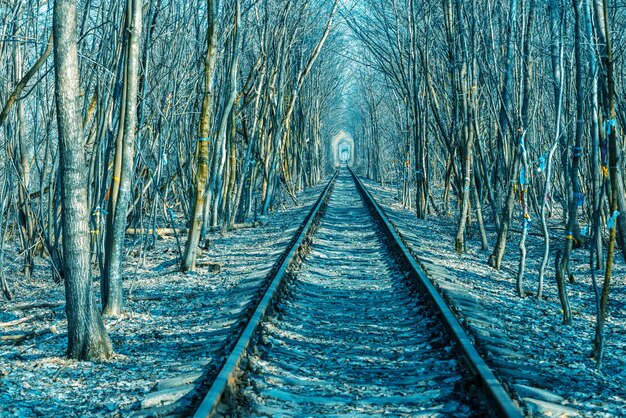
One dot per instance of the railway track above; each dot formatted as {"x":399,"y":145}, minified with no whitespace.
{"x":350,"y":325}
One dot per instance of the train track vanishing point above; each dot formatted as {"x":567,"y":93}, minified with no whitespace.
{"x":350,"y":324}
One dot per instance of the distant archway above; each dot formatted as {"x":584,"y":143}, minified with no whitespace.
{"x":343,"y":148}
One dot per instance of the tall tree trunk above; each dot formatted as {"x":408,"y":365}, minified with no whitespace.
{"x":26,"y":224}
{"x":463,"y":90}
{"x":563,"y":267}
{"x":524,"y":122}
{"x":112,"y":289}
{"x":597,"y":178}
{"x":558,"y":66}
{"x":502,"y":168}
{"x":613,"y":150}
{"x":119,"y":137}
{"x":188,"y":262}
{"x":87,"y":337}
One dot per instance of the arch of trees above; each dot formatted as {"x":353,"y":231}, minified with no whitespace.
{"x":184,"y":114}
{"x":342,"y":148}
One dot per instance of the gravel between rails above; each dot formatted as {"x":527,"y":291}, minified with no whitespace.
{"x":350,"y":336}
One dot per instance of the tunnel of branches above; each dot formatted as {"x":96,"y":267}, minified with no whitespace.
{"x":503,"y":116}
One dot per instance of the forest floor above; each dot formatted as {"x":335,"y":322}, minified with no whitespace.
{"x":169,"y":310}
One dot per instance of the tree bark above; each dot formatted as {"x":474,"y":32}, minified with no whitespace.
{"x":112,"y":288}
{"x":597,"y":178}
{"x":524,"y":122}
{"x":502,"y":168}
{"x":87,"y":337}
{"x":613,"y":151}
{"x":197,"y":218}
{"x":563,"y":267}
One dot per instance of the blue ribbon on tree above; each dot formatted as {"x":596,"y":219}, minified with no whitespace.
{"x":608,"y":124}
{"x":611,"y":222}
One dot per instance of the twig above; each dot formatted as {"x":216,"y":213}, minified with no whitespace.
{"x":21,"y":320}
{"x":35,"y":306}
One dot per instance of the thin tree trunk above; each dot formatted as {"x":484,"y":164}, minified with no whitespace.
{"x":501,"y":164}
{"x":571,"y":227}
{"x":112,"y":289}
{"x":557,"y":25}
{"x":4,"y":199}
{"x":613,"y":150}
{"x":25,"y":79}
{"x":25,"y":216}
{"x":197,"y":218}
{"x":484,"y":243}
{"x":524,"y":122}
{"x":526,"y":218}
{"x":596,"y":175}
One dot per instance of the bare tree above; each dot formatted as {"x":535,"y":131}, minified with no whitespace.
{"x":111,"y":282}
{"x":204,"y":138}
{"x":87,"y":338}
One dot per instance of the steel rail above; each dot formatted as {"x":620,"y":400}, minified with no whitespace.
{"x":226,"y":376}
{"x":497,"y":398}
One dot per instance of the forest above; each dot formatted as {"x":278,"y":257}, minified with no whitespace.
{"x":124,"y":122}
